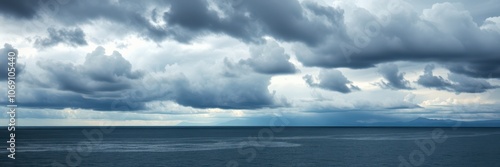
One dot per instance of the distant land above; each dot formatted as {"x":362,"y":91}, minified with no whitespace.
{"x":419,"y":122}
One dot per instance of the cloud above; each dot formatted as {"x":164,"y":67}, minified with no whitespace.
{"x":72,"y":37}
{"x":100,"y":83}
{"x":247,"y":92}
{"x":466,"y":84}
{"x":4,"y":62}
{"x":227,"y":86}
{"x":55,"y":99}
{"x":291,"y":23}
{"x":464,"y":46}
{"x":398,"y":101}
{"x":491,"y":24}
{"x":456,"y":82}
{"x":457,"y":41}
{"x":99,"y":72}
{"x":332,"y":80}
{"x":133,"y":15}
{"x":169,"y":43}
{"x":430,"y":81}
{"x":269,"y":58}
{"x":251,"y":20}
{"x":19,"y":9}
{"x":184,"y":21}
{"x":190,"y":19}
{"x":107,"y":82}
{"x":395,"y":80}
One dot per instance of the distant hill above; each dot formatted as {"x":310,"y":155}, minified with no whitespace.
{"x":425,"y":122}
{"x":419,"y":122}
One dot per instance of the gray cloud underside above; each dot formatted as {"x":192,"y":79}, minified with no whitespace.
{"x":226,"y":93}
{"x":332,"y":80}
{"x":269,"y":58}
{"x":467,"y":48}
{"x":393,"y":79}
{"x":98,"y":73}
{"x":19,"y":9}
{"x":107,"y":82}
{"x":4,"y":62}
{"x":453,"y":38}
{"x":71,"y":37}
{"x":455,"y":83}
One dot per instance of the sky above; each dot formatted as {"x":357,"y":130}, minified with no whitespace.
{"x":125,"y":62}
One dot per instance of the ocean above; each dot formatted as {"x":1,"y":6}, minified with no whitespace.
{"x":252,"y":146}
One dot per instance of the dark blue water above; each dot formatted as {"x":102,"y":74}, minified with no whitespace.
{"x":256,"y":146}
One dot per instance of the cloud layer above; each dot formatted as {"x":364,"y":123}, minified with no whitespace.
{"x":72,"y":37}
{"x":444,"y":33}
{"x":269,"y":59}
{"x":332,"y":80}
{"x":247,"y":58}
{"x":394,"y":79}
{"x":456,"y":82}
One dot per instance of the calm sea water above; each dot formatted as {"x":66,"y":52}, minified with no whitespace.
{"x":254,"y":146}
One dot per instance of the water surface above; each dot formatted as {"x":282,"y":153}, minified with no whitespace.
{"x":253,"y":146}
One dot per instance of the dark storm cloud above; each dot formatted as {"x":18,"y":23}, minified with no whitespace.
{"x":466,"y":84}
{"x":72,"y":37}
{"x":487,"y":68}
{"x":192,"y":18}
{"x":19,"y":9}
{"x":394,"y":79}
{"x":248,"y":20}
{"x":269,"y":58}
{"x":247,"y":92}
{"x":332,"y":80}
{"x":227,"y":85}
{"x":287,"y":21}
{"x":105,"y":68}
{"x":429,"y":80}
{"x":107,"y":82}
{"x":4,"y":62}
{"x":251,"y":20}
{"x":235,"y":87}
{"x":55,"y":99}
{"x":100,"y":83}
{"x":131,"y":14}
{"x":444,"y":33}
{"x":457,"y":83}
{"x":465,"y":46}
{"x":98,"y":73}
